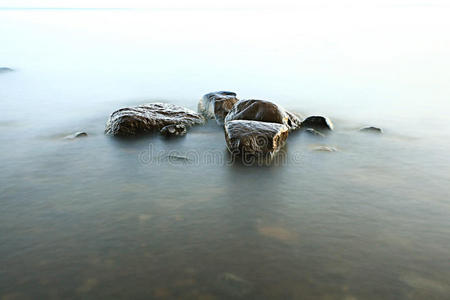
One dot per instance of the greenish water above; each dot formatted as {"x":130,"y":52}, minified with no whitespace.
{"x":106,"y":218}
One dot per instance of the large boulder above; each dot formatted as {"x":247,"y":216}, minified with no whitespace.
{"x":319,"y":123}
{"x":263,"y":111}
{"x":216,"y":105}
{"x":150,"y":117}
{"x":254,"y":138}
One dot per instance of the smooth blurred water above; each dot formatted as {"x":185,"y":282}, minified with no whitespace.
{"x":102,"y":218}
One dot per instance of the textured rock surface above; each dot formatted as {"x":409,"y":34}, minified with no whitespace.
{"x":372,"y":129}
{"x":254,"y":137}
{"x":216,"y":105}
{"x":150,"y":117}
{"x":319,"y":123}
{"x":174,"y":130}
{"x":263,"y":111}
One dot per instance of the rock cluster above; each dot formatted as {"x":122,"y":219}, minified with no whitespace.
{"x":252,"y":127}
{"x":258,"y":127}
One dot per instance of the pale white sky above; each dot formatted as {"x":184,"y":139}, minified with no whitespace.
{"x":286,"y":4}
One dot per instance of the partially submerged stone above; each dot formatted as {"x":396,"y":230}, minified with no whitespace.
{"x":254,"y":138}
{"x":323,"y":148}
{"x":4,"y":70}
{"x":371,"y":129}
{"x":319,"y":123}
{"x":75,"y":135}
{"x":150,"y":117}
{"x":216,"y":105}
{"x":233,"y":286}
{"x":174,"y":130}
{"x":263,"y":111}
{"x":314,"y":132}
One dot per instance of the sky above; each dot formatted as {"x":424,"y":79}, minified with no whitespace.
{"x":211,"y":4}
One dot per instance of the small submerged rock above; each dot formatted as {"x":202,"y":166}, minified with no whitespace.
{"x":174,"y":130}
{"x":277,"y":232}
{"x":76,"y":135}
{"x":323,"y":148}
{"x":254,"y":138}
{"x":314,"y":132}
{"x":147,"y":118}
{"x":233,"y":285}
{"x":263,"y":111}
{"x":319,"y":123}
{"x":4,"y":70}
{"x":371,"y":129}
{"x":217,"y":105}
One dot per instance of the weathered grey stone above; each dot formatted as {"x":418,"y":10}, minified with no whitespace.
{"x":263,"y":111}
{"x":216,"y":105}
{"x":372,"y":129}
{"x":322,"y":124}
{"x":150,"y":117}
{"x":174,"y":130}
{"x":254,"y":138}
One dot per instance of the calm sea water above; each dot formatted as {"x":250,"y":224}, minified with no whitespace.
{"x":106,"y":218}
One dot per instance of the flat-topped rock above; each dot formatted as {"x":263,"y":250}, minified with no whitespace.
{"x":263,"y":111}
{"x":319,"y":123}
{"x":150,"y":117}
{"x":216,"y":105}
{"x":257,"y":138}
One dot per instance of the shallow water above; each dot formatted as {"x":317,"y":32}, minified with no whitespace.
{"x":100,"y":217}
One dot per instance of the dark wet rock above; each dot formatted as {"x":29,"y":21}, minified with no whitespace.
{"x":174,"y":130}
{"x":294,"y":120}
{"x":233,"y":286}
{"x":254,"y":137}
{"x":150,"y":117}
{"x":371,"y":129}
{"x":4,"y":70}
{"x":314,"y":132}
{"x":76,"y":135}
{"x":217,"y":105}
{"x":319,"y":123}
{"x":263,"y":111}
